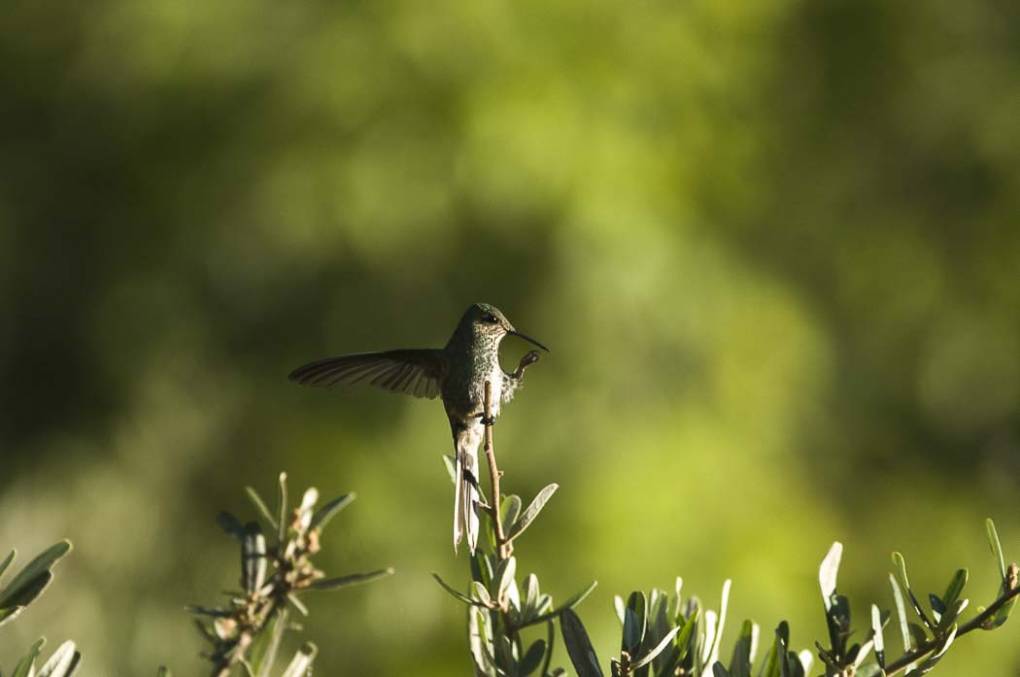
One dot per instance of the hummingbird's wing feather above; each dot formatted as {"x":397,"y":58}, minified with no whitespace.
{"x":414,"y":372}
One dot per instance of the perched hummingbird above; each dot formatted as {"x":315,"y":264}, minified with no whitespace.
{"x":457,"y":374}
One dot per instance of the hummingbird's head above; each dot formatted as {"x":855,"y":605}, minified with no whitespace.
{"x":489,"y":321}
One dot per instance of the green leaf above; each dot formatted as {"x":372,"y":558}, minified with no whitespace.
{"x":532,"y":658}
{"x":504,"y":576}
{"x":532,"y":511}
{"x":230,"y":524}
{"x":25,"y":666}
{"x":828,"y":572}
{"x":164,"y":671}
{"x":301,"y":664}
{"x":579,"y":647}
{"x":635,"y":620}
{"x":351,"y":579}
{"x":918,"y":634}
{"x":7,"y":562}
{"x":993,"y":541}
{"x":32,"y":580}
{"x":569,"y":604}
{"x":62,"y":663}
{"x":481,"y":594}
{"x":715,"y":641}
{"x":901,"y":613}
{"x":324,"y":514}
{"x":261,"y":507}
{"x":266,"y":646}
{"x":955,"y":587}
{"x":743,"y":650}
{"x":901,"y":568}
{"x":656,"y":650}
{"x":510,"y":508}
{"x":456,"y":593}
{"x":531,"y":593}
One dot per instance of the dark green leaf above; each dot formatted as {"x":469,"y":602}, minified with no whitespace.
{"x":7,"y":562}
{"x":743,"y":657}
{"x":569,"y":604}
{"x":532,"y":511}
{"x":351,"y":579}
{"x":579,"y":647}
{"x":230,"y":524}
{"x":955,"y":587}
{"x":454,"y":592}
{"x":31,"y":580}
{"x":656,"y":650}
{"x":635,"y":619}
{"x":324,"y":514}
{"x":532,"y":658}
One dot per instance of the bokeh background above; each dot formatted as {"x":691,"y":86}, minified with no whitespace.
{"x":773,"y":246}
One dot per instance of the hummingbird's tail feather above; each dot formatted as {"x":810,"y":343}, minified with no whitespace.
{"x":466,"y":494}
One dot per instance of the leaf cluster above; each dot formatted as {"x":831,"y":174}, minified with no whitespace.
{"x":22,"y":590}
{"x":276,"y":569}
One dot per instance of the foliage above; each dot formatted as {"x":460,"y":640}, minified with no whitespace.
{"x":248,"y":629}
{"x":21,"y":591}
{"x":664,"y":635}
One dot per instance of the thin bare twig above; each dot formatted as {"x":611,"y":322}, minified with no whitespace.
{"x":505,"y":547}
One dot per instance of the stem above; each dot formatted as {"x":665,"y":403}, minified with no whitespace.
{"x":505,"y":548}
{"x":973,"y":624}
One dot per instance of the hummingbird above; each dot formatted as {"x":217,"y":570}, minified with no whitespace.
{"x":457,"y":373}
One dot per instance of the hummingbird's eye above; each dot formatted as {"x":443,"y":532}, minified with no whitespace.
{"x":490,"y":318}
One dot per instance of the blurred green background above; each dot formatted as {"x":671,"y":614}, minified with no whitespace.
{"x":773,"y":246}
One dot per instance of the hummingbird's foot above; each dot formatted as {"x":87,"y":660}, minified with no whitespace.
{"x":486,"y":420}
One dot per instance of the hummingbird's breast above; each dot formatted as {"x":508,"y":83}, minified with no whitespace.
{"x":463,"y":390}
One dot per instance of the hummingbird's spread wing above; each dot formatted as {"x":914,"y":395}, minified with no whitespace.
{"x":415,"y":372}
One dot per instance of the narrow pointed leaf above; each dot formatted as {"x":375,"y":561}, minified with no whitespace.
{"x":993,"y":542}
{"x":656,"y":650}
{"x":25,"y":587}
{"x":532,"y":511}
{"x":351,"y":579}
{"x":456,"y":593}
{"x":25,"y":666}
{"x":262,"y":508}
{"x":955,"y":587}
{"x":533,"y":658}
{"x":569,"y":604}
{"x":7,"y":562}
{"x":324,"y":514}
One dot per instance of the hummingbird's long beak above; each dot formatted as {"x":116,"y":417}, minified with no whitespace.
{"x":514,"y":332}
